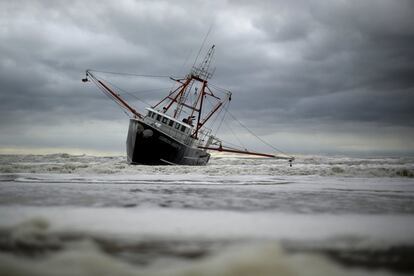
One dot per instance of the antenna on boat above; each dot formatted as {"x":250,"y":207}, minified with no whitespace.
{"x":202,"y":71}
{"x":202,"y":44}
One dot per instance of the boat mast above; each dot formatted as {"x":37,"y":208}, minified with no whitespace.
{"x":198,"y":74}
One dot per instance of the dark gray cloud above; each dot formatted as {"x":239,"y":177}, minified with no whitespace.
{"x":308,"y":75}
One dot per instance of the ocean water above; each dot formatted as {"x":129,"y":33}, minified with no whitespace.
{"x":62,"y":214}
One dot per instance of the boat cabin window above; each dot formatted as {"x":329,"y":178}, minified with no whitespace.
{"x":167,"y":121}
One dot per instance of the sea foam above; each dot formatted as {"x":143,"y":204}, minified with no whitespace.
{"x":220,"y":165}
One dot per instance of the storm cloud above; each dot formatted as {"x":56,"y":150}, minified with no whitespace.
{"x":309,"y":76}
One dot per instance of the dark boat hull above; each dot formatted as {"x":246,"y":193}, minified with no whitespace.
{"x":148,"y":146}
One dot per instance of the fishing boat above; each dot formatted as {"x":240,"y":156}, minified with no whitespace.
{"x":174,"y":130}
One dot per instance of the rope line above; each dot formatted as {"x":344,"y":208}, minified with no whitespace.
{"x":126,"y":92}
{"x":258,"y":137}
{"x":130,"y":74}
{"x":123,"y":108}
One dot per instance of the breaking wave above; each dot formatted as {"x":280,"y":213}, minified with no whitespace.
{"x":219,"y":165}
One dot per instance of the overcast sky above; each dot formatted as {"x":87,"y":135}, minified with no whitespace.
{"x":308,"y":76}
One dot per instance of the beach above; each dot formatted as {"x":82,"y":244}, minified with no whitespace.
{"x":63,"y":214}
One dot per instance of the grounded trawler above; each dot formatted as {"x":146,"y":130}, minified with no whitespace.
{"x":173,"y":131}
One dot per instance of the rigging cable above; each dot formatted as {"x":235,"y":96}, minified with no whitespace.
{"x":238,"y":139}
{"x":202,"y":44}
{"x":147,"y":91}
{"x":126,"y":92}
{"x":243,"y":147}
{"x":111,"y":97}
{"x":130,"y":74}
{"x":220,"y":89}
{"x":185,"y":63}
{"x":258,"y":137}
{"x":224,"y":115}
{"x":217,"y":116}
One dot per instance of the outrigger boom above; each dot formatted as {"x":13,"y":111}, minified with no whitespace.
{"x":108,"y":91}
{"x":221,"y":149}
